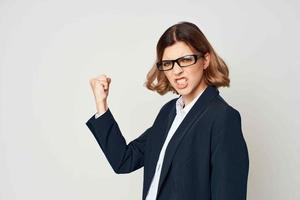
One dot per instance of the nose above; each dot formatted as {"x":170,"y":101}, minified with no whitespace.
{"x":177,"y":69}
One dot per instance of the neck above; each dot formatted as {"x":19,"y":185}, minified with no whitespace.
{"x":193,"y":94}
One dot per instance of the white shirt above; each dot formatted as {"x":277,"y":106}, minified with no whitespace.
{"x":181,"y":112}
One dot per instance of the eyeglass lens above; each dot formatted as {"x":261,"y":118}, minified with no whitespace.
{"x":184,"y":61}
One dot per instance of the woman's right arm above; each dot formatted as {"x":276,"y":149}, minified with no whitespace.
{"x":123,"y":157}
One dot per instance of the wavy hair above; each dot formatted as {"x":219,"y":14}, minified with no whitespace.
{"x":216,"y":74}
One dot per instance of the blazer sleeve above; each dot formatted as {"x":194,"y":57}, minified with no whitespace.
{"x":123,"y":157}
{"x":229,"y":158}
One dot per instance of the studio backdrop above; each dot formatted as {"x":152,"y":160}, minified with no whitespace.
{"x":50,"y":49}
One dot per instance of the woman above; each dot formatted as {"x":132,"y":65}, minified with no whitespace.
{"x":195,"y":148}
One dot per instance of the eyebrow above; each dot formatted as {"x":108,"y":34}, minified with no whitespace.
{"x":178,"y":57}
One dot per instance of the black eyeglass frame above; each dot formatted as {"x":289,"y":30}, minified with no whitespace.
{"x":196,"y":57}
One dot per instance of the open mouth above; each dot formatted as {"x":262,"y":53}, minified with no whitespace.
{"x":181,"y":82}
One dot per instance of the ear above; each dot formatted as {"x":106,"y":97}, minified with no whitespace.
{"x":206,"y":60}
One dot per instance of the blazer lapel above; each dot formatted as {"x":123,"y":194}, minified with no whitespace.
{"x":195,"y":112}
{"x":155,"y":149}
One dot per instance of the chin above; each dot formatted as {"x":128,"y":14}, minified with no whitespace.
{"x":184,"y":91}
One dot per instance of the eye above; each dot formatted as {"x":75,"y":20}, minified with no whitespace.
{"x":186,"y":59}
{"x":166,"y":64}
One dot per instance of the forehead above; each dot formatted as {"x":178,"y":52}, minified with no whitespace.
{"x":177,"y":50}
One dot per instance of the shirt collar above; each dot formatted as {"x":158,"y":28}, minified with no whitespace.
{"x":184,"y":110}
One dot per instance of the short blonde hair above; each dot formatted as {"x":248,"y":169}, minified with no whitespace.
{"x":216,"y":74}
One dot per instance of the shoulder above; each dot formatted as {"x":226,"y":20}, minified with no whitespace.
{"x":226,"y":119}
{"x":168,"y":105}
{"x":166,"y":108}
{"x":224,"y":114}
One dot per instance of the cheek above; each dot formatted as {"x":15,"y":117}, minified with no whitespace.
{"x":196,"y":75}
{"x":168,"y":76}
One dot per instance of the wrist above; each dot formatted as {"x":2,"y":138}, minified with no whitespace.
{"x":101,"y":106}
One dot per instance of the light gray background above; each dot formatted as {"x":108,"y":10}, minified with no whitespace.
{"x":50,"y":49}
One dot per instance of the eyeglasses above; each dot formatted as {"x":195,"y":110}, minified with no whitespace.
{"x":183,"y":61}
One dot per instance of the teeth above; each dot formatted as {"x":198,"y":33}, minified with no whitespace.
{"x":181,"y":81}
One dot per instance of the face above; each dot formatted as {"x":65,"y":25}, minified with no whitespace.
{"x":187,"y":81}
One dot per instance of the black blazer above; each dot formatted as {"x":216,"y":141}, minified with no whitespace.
{"x":206,"y":159}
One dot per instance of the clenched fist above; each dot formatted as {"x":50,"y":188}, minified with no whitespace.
{"x":100,"y":87}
